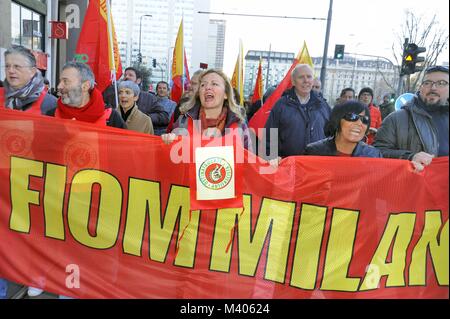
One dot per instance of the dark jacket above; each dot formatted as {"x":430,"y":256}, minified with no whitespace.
{"x":327,"y":147}
{"x":181,"y":125}
{"x":298,"y":125}
{"x":407,"y":132}
{"x":147,"y":103}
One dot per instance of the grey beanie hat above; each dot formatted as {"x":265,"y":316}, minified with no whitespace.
{"x":129,"y":85}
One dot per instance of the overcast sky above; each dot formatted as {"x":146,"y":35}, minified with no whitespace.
{"x":363,"y":26}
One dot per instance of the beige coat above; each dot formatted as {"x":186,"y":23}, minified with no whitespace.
{"x":139,"y":122}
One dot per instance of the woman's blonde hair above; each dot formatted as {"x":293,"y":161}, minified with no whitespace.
{"x":229,"y":102}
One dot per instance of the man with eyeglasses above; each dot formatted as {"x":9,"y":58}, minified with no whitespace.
{"x":24,"y":87}
{"x":419,"y":132}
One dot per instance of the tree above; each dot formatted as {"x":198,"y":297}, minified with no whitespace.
{"x":146,"y":74}
{"x":425,"y":33}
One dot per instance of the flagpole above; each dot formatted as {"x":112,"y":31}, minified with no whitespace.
{"x":182,"y":47}
{"x":113,"y":71}
{"x":260,"y":86}
{"x":240,"y":73}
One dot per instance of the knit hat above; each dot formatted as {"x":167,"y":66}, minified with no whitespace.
{"x":365,"y":90}
{"x":129,"y":85}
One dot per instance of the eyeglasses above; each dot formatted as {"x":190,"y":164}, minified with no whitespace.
{"x":353,"y":117}
{"x":439,"y":84}
{"x":17,"y":67}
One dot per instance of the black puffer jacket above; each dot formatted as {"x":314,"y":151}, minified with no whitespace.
{"x":407,"y":132}
{"x":327,"y":147}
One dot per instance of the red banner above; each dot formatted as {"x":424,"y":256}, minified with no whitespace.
{"x":96,"y":212}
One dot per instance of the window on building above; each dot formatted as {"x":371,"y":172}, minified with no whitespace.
{"x":27,"y":27}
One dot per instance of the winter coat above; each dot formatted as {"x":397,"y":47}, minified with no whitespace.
{"x":169,"y":106}
{"x":407,"y":132}
{"x":298,"y":125}
{"x":139,"y":122}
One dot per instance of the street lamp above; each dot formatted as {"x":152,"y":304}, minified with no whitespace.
{"x":140,"y":36}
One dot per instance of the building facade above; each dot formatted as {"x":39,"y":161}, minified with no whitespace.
{"x":25,"y":22}
{"x":216,"y":43}
{"x":379,"y":75}
{"x":278,"y":64}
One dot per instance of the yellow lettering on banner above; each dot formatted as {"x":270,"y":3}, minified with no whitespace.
{"x":225,"y":221}
{"x":307,"y":249}
{"x":109,"y":208}
{"x":438,"y":251}
{"x":399,"y":230}
{"x":145,"y":195}
{"x":275,"y":217}
{"x":55,"y":183}
{"x":179,"y":201}
{"x":21,"y":195}
{"x":339,"y":252}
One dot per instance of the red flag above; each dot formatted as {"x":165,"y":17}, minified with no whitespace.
{"x":94,"y":45}
{"x":260,"y":118}
{"x":258,"y":91}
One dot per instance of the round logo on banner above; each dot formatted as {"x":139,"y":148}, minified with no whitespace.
{"x":15,"y":142}
{"x":80,"y":155}
{"x":215,"y":173}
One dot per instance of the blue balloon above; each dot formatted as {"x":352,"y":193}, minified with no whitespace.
{"x":403,"y":99}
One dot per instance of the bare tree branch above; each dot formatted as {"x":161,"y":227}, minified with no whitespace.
{"x":424,"y":33}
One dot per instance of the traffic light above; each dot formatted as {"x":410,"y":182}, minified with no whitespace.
{"x":139,"y":57}
{"x":154,"y":63}
{"x":410,"y":58}
{"x":339,"y":51}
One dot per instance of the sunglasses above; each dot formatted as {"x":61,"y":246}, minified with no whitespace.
{"x":353,"y":117}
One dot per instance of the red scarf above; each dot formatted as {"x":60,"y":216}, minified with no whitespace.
{"x":218,"y":123}
{"x":91,"y":112}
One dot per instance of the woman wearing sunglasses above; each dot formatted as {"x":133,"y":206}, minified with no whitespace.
{"x":348,"y":125}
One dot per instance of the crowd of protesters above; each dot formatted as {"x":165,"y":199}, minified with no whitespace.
{"x":304,"y":122}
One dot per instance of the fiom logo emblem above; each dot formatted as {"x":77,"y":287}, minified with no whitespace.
{"x":215,"y":173}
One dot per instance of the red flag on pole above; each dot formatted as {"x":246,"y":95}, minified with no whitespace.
{"x":258,"y":91}
{"x":260,"y":118}
{"x":96,"y":48}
